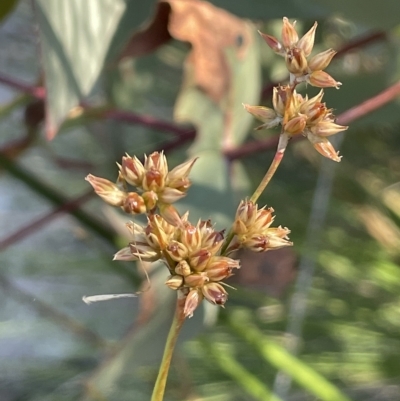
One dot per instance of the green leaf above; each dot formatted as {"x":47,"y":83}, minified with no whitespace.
{"x":75,"y":37}
{"x":6,"y":6}
{"x":281,"y":359}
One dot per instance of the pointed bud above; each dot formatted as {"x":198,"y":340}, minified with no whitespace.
{"x":170,"y":214}
{"x":273,"y":43}
{"x":144,"y":252}
{"x":177,"y":251}
{"x":177,"y":177}
{"x":289,"y":34}
{"x":296,"y":62}
{"x":306,"y":43}
{"x":296,"y":125}
{"x":156,"y":161}
{"x":323,"y":146}
{"x":199,"y":259}
{"x":192,"y":301}
{"x":321,"y":60}
{"x":322,"y":79}
{"x":264,"y":114}
{"x":327,"y":128}
{"x":125,"y":255}
{"x":134,"y":204}
{"x":183,"y":268}
{"x":171,"y":195}
{"x":150,"y":199}
{"x":215,"y":293}
{"x":196,"y":279}
{"x":221,"y":267}
{"x":174,"y":282}
{"x":132,"y":170}
{"x":191,"y":237}
{"x":108,"y":191}
{"x":279,"y":98}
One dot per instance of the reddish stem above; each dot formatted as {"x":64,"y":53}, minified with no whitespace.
{"x":33,"y":226}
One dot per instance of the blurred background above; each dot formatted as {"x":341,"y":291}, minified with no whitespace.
{"x":81,"y":83}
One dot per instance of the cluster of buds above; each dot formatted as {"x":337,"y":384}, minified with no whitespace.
{"x":296,"y":51}
{"x":156,"y":187}
{"x":295,"y":113}
{"x":253,"y":231}
{"x":300,"y":115}
{"x":195,"y":255}
{"x":191,"y":253}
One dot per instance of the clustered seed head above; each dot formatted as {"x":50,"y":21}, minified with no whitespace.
{"x":253,"y":231}
{"x":195,"y":255}
{"x":155,"y":185}
{"x":191,"y":253}
{"x":296,"y":51}
{"x":296,"y":113}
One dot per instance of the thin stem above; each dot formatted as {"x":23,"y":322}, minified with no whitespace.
{"x":177,"y":323}
{"x":268,"y":175}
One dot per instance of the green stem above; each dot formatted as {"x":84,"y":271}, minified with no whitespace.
{"x":268,"y":175}
{"x":263,"y":184}
{"x":177,"y":323}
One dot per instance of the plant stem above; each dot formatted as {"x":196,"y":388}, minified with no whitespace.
{"x":268,"y":175}
{"x":177,"y":323}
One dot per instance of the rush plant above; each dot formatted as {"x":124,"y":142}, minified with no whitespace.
{"x":197,"y":257}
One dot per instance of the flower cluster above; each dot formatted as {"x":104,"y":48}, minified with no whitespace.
{"x":191,"y":254}
{"x":296,"y":113}
{"x":295,"y":51}
{"x":195,"y":255}
{"x":253,"y":231}
{"x":156,"y":186}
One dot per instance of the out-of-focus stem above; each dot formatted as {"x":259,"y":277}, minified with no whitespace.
{"x":177,"y":323}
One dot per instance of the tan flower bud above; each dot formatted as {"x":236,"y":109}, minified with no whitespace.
{"x":322,"y":79}
{"x":196,"y":279}
{"x":315,"y":113}
{"x":321,"y":60}
{"x":125,"y":255}
{"x":289,"y":34}
{"x":220,"y":267}
{"x":279,"y":98}
{"x":177,"y":177}
{"x":134,"y":204}
{"x":323,"y":146}
{"x":150,"y":199}
{"x":170,"y":214}
{"x":306,"y":43}
{"x":264,"y":114}
{"x":132,"y":170}
{"x":183,"y":268}
{"x":153,"y":180}
{"x":177,"y":251}
{"x":108,"y":191}
{"x":199,"y":259}
{"x":191,"y":237}
{"x":327,"y":128}
{"x":174,"y":282}
{"x":296,"y":125}
{"x":246,"y":212}
{"x":143,"y":251}
{"x":171,"y":195}
{"x":192,"y":301}
{"x":215,"y":293}
{"x":273,"y":43}
{"x":156,"y":161}
{"x":296,"y":61}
